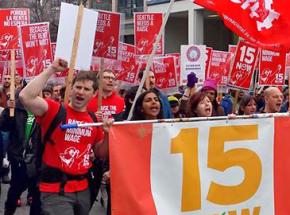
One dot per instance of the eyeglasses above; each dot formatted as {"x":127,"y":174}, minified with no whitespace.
{"x":109,"y":78}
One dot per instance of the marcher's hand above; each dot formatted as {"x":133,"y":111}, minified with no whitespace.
{"x":232,"y":116}
{"x":107,"y":124}
{"x":106,"y":176}
{"x":11,"y":103}
{"x":59,"y":65}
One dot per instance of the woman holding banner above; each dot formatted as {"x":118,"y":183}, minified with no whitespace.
{"x":148,"y":106}
{"x":248,"y":105}
{"x":199,"y":105}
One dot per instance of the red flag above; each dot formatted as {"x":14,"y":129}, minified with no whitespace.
{"x":263,"y":22}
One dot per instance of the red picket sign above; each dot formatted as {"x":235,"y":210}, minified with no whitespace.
{"x":165,"y":74}
{"x":220,"y":67}
{"x":177,"y":64}
{"x":35,"y":40}
{"x":53,"y":48}
{"x":128,"y":69}
{"x":272,"y":68}
{"x":208,"y":60}
{"x":9,"y":20}
{"x":146,"y":29}
{"x":244,"y":65}
{"x":5,"y":55}
{"x":107,"y":35}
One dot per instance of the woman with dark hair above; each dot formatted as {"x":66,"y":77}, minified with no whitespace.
{"x":199,"y":105}
{"x":248,"y":105}
{"x":148,"y":106}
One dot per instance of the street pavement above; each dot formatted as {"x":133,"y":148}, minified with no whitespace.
{"x":24,"y":209}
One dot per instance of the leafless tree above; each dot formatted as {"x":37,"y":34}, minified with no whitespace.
{"x":43,"y":10}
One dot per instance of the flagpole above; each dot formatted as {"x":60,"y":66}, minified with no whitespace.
{"x":149,"y":62}
{"x":195,"y":119}
{"x":100,"y":86}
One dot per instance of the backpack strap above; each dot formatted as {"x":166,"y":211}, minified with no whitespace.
{"x":59,"y":117}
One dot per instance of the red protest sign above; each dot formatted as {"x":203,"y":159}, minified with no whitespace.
{"x":220,"y":67}
{"x":36,"y":49}
{"x":5,"y":55}
{"x":208,"y":52}
{"x":146,"y":29}
{"x":177,"y":64}
{"x":128,"y":69}
{"x":232,"y":49}
{"x":53,"y":48}
{"x":107,"y":35}
{"x":244,"y":65}
{"x":165,"y":74}
{"x":9,"y":20}
{"x":272,"y":68}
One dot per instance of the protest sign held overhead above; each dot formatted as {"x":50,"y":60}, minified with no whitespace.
{"x":66,"y":32}
{"x":5,"y":55}
{"x":262,"y":22}
{"x":36,"y":48}
{"x":208,"y":60}
{"x":107,"y":35}
{"x":128,"y":67}
{"x":244,"y":65}
{"x":272,"y":68}
{"x":177,"y":64}
{"x":9,"y":20}
{"x":146,"y":29}
{"x":219,"y":68}
{"x":193,"y":59}
{"x":165,"y":74}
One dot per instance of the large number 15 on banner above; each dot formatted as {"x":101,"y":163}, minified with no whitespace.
{"x":197,"y":168}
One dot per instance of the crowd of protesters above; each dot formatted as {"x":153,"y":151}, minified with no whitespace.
{"x":64,"y":184}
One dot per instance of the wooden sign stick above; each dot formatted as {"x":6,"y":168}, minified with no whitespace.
{"x":12,"y":83}
{"x":74,"y":53}
{"x":100,"y":87}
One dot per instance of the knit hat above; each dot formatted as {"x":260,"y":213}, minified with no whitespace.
{"x":209,"y":84}
{"x":173,"y":101}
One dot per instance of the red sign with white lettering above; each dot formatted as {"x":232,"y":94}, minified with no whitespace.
{"x":9,"y":20}
{"x":244,"y":65}
{"x":177,"y":64}
{"x":272,"y":68}
{"x":146,"y":29}
{"x":37,"y":56}
{"x":208,"y":60}
{"x":107,"y":35}
{"x":220,"y":67}
{"x":165,"y":74}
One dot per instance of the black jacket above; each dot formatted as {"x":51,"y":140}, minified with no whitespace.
{"x":16,"y":128}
